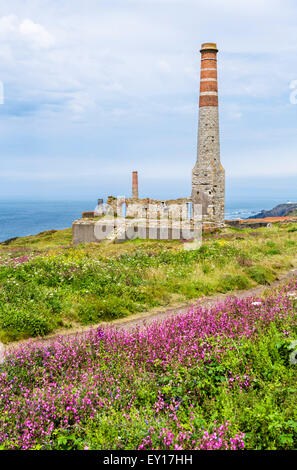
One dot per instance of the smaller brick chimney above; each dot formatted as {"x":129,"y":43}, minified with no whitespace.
{"x":135,"y":185}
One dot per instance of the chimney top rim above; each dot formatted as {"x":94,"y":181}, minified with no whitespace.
{"x":207,"y":46}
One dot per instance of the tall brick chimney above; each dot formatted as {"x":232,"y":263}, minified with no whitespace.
{"x":135,"y":185}
{"x":208,"y":176}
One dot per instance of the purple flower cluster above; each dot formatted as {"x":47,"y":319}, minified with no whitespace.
{"x":16,"y":261}
{"x":66,"y":383}
{"x":218,"y":439}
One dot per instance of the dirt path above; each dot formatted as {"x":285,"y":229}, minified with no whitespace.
{"x":145,"y":318}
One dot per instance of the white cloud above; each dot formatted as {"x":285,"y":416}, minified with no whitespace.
{"x":36,"y":33}
{"x":13,"y":29}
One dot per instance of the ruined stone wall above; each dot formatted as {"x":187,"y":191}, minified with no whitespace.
{"x":149,"y":208}
{"x":118,"y":230}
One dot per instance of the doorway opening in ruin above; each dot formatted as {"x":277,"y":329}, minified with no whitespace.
{"x":124,"y":209}
{"x":189,"y":210}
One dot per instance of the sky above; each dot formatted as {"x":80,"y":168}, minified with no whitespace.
{"x":95,"y":89}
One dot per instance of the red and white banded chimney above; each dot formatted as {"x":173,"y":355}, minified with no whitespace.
{"x":208,"y":76}
{"x":208,"y":176}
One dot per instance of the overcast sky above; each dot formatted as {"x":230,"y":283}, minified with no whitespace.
{"x":94,"y":89}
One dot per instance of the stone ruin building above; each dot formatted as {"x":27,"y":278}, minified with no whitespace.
{"x":184,"y":218}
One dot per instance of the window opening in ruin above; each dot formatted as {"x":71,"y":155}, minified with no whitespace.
{"x":189,"y":210}
{"x":124,"y":209}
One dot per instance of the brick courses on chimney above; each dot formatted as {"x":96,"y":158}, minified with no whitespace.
{"x":135,"y":185}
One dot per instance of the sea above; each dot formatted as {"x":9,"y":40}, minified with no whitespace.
{"x":21,"y":218}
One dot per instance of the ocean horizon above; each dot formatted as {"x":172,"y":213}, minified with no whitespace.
{"x":24,"y":218}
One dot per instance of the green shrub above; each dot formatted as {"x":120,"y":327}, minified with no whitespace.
{"x":22,"y":323}
{"x":261,"y":275}
{"x":230,"y":282}
{"x":270,"y":248}
{"x":93,"y":310}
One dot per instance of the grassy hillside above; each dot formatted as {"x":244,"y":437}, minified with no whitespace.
{"x":46,"y":284}
{"x":44,"y":240}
